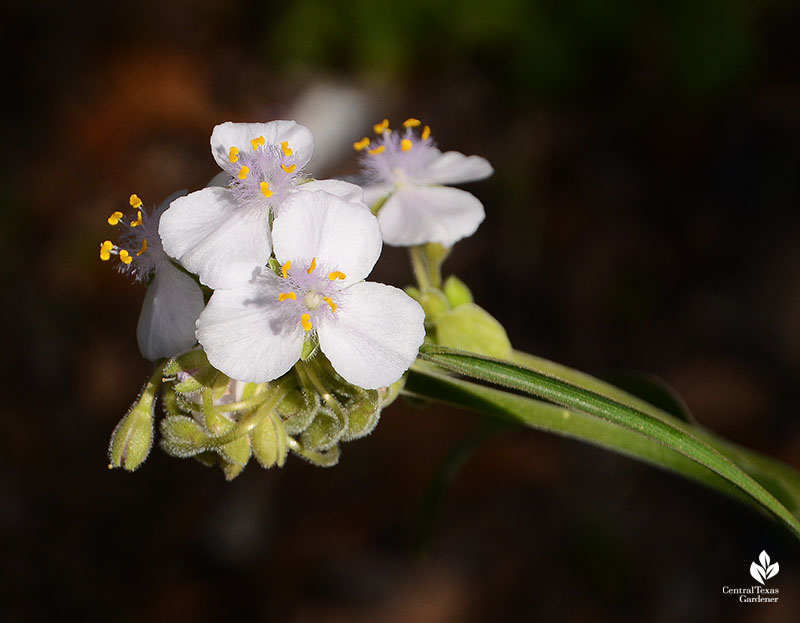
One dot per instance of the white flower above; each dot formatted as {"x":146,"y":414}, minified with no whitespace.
{"x":370,"y":332}
{"x":173,"y":300}
{"x":221,"y":233}
{"x":411,"y":173}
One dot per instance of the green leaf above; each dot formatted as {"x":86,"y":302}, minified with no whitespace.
{"x":692,"y":443}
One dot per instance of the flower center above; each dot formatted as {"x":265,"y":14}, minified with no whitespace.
{"x":139,"y":245}
{"x":397,"y":157}
{"x":267,"y":173}
{"x":310,"y":293}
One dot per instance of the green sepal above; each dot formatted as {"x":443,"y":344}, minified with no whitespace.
{"x":325,"y":431}
{"x":231,"y":470}
{"x":237,"y":451}
{"x":327,"y":458}
{"x":413,"y":292}
{"x":269,"y":441}
{"x":471,"y":328}
{"x":170,"y":401}
{"x":275,"y":266}
{"x":297,"y":409}
{"x":389,"y":394}
{"x":456,"y":291}
{"x":190,"y":360}
{"x":362,"y":415}
{"x":310,"y":346}
{"x":207,"y":458}
{"x":220,"y":385}
{"x":376,"y":207}
{"x":182,"y":436}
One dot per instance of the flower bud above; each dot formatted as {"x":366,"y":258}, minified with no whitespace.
{"x":133,"y":437}
{"x":269,"y":441}
{"x":456,"y":291}
{"x":182,"y":436}
{"x":471,"y":328}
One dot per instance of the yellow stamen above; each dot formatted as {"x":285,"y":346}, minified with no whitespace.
{"x":328,"y":300}
{"x":257,"y":141}
{"x":361,"y":145}
{"x":243,"y":173}
{"x":287,"y":295}
{"x":114,"y":218}
{"x":406,"y":144}
{"x":105,"y":250}
{"x":285,"y":148}
{"x":125,"y":257}
{"x":380,"y":127}
{"x":289,"y":169}
{"x":234,"y":154}
{"x":265,"y":189}
{"x":313,"y":265}
{"x":138,"y":220}
{"x":378,"y":150}
{"x":336,"y":274}
{"x":285,"y":268}
{"x":135,"y":201}
{"x":411,"y":123}
{"x":305,"y":320}
{"x":144,"y":247}
{"x":426,"y":132}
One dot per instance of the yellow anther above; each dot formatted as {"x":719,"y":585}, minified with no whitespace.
{"x":286,"y":149}
{"x":138,"y":220}
{"x":285,"y":268}
{"x":379,"y":128}
{"x":289,"y":169}
{"x":144,"y":247}
{"x":114,"y":218}
{"x":257,"y":141}
{"x":411,"y":123}
{"x":305,"y":320}
{"x":243,"y":173}
{"x":406,"y":144}
{"x":105,"y":250}
{"x":378,"y":150}
{"x":336,"y":274}
{"x":233,"y":156}
{"x":265,"y":189}
{"x":135,"y":201}
{"x":328,"y":300}
{"x":125,"y":257}
{"x":287,"y":295}
{"x":313,"y":265}
{"x":361,"y":145}
{"x":426,"y":132}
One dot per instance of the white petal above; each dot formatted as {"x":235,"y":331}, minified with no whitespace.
{"x":215,"y":237}
{"x":418,"y":214}
{"x":239,"y":135}
{"x":351,"y":193}
{"x":247,"y":335}
{"x":221,"y":179}
{"x":373,"y":194}
{"x":453,"y":167}
{"x":374,"y":335}
{"x":340,"y":235}
{"x":171,"y":306}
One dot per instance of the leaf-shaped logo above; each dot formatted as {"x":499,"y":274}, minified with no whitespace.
{"x":763,"y":571}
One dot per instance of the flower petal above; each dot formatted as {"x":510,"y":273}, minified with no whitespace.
{"x":373,"y":194}
{"x":239,"y":135}
{"x":351,"y":193}
{"x":374,"y":335}
{"x":340,"y":235}
{"x":453,"y":167}
{"x":247,"y":335}
{"x":215,"y":237}
{"x":418,"y":214}
{"x":171,"y":306}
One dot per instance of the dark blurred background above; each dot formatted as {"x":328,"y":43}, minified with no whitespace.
{"x":643,"y":216}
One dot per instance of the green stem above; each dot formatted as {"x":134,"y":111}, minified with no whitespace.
{"x":251,"y":420}
{"x":421,"y":268}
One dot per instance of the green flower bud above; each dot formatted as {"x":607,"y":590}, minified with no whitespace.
{"x":471,"y":328}
{"x":456,"y":291}
{"x":182,"y":436}
{"x":434,"y":303}
{"x":269,"y":442}
{"x":133,"y":436}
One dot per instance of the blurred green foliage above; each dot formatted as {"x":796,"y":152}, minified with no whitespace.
{"x":542,"y":48}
